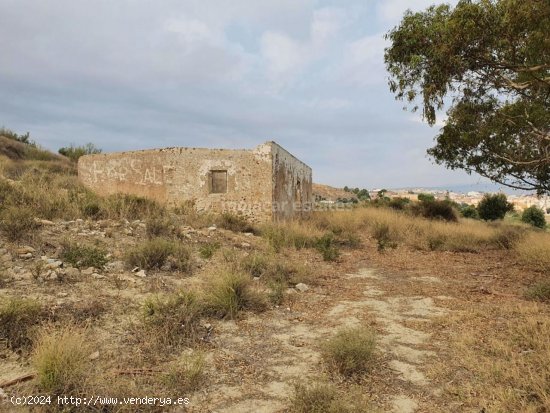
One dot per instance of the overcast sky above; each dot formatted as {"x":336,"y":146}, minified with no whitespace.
{"x":134,"y":74}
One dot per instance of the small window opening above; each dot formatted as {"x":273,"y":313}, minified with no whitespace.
{"x":218,"y":184}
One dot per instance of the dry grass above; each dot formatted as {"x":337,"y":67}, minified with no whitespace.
{"x":350,"y":351}
{"x":172,"y":320}
{"x":294,"y":234}
{"x":61,"y":360}
{"x":158,"y":253}
{"x":534,"y":251}
{"x":186,"y":374}
{"x":17,"y":223}
{"x":325,"y":398}
{"x":500,"y":358}
{"x":228,"y":293}
{"x":539,"y":291}
{"x":84,"y":256}
{"x":18,"y":319}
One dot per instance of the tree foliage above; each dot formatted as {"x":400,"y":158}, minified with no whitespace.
{"x":493,"y":207}
{"x":534,"y":216}
{"x":74,"y":152}
{"x":490,"y":61}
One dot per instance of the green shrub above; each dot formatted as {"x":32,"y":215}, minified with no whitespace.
{"x":326,"y":246}
{"x":442,"y":210}
{"x":426,"y":197}
{"x":539,"y":292}
{"x":228,"y":293}
{"x":18,"y":317}
{"x":84,"y":256}
{"x":61,"y":360}
{"x":17,"y":222}
{"x":534,"y":216}
{"x":399,"y":203}
{"x":74,"y":152}
{"x":186,"y":374}
{"x":469,"y":211}
{"x":493,"y":207}
{"x":206,"y":251}
{"x":235,"y":223}
{"x":155,"y":253}
{"x":173,"y":319}
{"x":350,"y":351}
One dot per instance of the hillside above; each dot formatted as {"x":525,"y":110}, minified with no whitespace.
{"x":329,"y":193}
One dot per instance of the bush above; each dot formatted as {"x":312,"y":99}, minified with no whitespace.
{"x":155,"y":253}
{"x":91,"y":210}
{"x":469,"y":211}
{"x":277,"y":291}
{"x":534,"y":216}
{"x":399,"y":203}
{"x":442,"y":210}
{"x":206,"y":251}
{"x":350,"y":351}
{"x":84,"y":256}
{"x":325,"y":245}
{"x":272,"y":270}
{"x":8,"y":133}
{"x":426,"y":197}
{"x":61,"y":360}
{"x":539,"y":292}
{"x":507,"y":237}
{"x":74,"y":152}
{"x":235,"y":223}
{"x":493,"y":207}
{"x":173,"y":319}
{"x":187,"y":374}
{"x":381,"y":233}
{"x":17,"y":222}
{"x":231,"y":292}
{"x":18,"y":316}
{"x":157,"y":227}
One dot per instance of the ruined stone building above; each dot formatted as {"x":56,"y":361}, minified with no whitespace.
{"x":264,"y":183}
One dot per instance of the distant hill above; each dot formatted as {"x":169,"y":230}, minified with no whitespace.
{"x":330,"y":193}
{"x":19,"y":151}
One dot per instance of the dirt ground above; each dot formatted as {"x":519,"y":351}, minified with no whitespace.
{"x":254,"y":361}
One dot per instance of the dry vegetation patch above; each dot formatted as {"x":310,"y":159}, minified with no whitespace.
{"x":61,"y":360}
{"x":350,"y":352}
{"x":500,"y":358}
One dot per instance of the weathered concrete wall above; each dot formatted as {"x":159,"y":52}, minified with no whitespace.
{"x":174,"y":175}
{"x":264,"y":183}
{"x":292,"y":185}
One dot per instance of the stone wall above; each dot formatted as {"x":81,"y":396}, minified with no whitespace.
{"x":292,"y":185}
{"x":262,"y":183}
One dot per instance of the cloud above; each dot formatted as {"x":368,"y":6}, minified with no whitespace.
{"x":286,"y":58}
{"x":132,"y":74}
{"x":363,"y":61}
